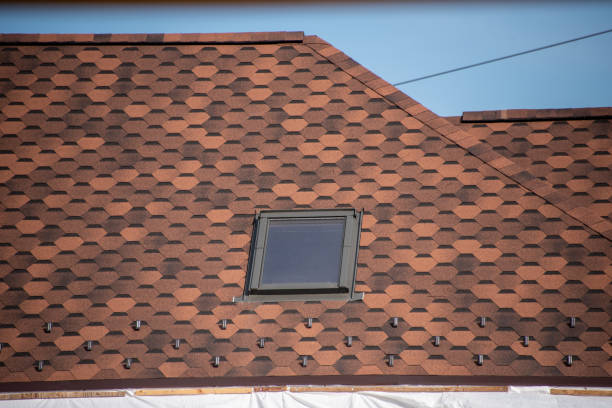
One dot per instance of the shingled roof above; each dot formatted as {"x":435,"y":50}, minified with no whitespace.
{"x":565,"y":152}
{"x":131,"y":167}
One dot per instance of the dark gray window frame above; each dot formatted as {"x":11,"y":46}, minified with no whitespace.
{"x":344,"y":290}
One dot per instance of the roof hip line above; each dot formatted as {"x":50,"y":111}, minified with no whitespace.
{"x":455,"y":135}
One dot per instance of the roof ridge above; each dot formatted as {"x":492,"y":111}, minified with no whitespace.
{"x":528,"y":115}
{"x":469,"y":142}
{"x":221,"y":38}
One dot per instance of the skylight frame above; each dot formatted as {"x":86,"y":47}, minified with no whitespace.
{"x":343,"y":289}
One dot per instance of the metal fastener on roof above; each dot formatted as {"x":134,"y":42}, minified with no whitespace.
{"x":569,"y":360}
{"x":390,"y":360}
{"x":436,"y":341}
{"x":48,"y":327}
{"x":304,"y":361}
{"x":88,"y":345}
{"x":525,"y":341}
{"x":572,"y":322}
{"x":349,"y":341}
{"x":128,"y":363}
{"x":39,"y":365}
{"x":177,"y":344}
{"x":395,"y":322}
{"x":223,"y":324}
{"x":309,"y":322}
{"x":137,"y":325}
{"x":480,"y":359}
{"x":261,"y":342}
{"x":216,"y":361}
{"x":483,"y":321}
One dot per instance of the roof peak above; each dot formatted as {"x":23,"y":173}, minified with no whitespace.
{"x":220,"y":38}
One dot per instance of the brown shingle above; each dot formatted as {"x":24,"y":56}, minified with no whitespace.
{"x":128,"y":193}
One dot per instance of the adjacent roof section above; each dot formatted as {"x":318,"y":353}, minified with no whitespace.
{"x":566,"y":152}
{"x":130,"y":173}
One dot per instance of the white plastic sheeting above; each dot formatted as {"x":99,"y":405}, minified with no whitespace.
{"x":539,"y":397}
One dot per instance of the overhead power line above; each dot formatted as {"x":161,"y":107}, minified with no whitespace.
{"x":502,"y":58}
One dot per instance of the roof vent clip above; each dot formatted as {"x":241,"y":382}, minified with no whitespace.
{"x":525,"y":341}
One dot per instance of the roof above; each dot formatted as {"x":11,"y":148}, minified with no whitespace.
{"x":133,"y":165}
{"x":565,"y":152}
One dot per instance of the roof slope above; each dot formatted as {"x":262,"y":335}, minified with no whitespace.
{"x":132,"y":167}
{"x":569,"y":150}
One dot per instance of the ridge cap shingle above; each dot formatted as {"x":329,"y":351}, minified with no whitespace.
{"x":528,"y":115}
{"x":209,"y":38}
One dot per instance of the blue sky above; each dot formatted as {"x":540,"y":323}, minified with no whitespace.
{"x":400,"y":41}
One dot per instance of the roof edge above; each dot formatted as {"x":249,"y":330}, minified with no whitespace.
{"x":368,"y":78}
{"x":463,"y":139}
{"x":528,"y":115}
{"x":222,"y":38}
{"x":474,"y":380}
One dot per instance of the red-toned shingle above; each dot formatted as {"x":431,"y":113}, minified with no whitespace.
{"x":129,"y":188}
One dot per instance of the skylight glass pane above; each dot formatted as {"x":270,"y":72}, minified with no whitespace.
{"x":303,"y":251}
